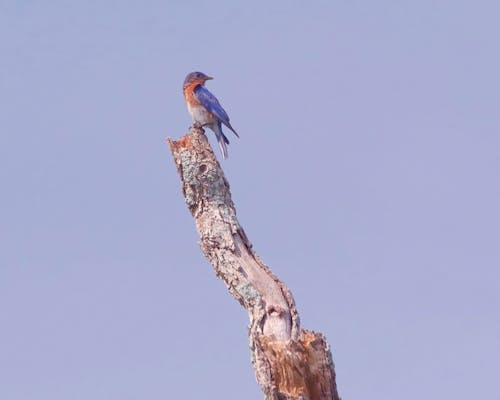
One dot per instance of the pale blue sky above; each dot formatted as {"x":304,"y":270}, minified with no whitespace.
{"x":366,"y":176}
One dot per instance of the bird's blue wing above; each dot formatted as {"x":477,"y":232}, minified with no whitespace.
{"x":210,"y":102}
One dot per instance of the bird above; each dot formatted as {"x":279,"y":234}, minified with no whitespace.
{"x":205,"y":109}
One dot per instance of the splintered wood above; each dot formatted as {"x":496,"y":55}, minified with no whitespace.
{"x":301,"y":369}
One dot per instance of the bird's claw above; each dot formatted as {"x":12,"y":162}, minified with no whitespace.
{"x":197,"y":125}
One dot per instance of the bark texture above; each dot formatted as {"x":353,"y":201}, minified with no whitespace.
{"x":289,"y":362}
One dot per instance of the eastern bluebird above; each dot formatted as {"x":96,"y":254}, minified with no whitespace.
{"x":205,"y":108}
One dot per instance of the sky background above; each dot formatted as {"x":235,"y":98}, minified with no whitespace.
{"x":366,"y":176}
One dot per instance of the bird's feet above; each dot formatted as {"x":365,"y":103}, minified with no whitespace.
{"x":197,"y":125}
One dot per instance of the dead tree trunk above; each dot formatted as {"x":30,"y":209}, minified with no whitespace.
{"x":289,"y":362}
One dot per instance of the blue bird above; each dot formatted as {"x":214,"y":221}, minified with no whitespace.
{"x":205,"y":108}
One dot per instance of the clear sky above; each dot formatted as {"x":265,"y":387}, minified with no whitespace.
{"x":366,"y":176}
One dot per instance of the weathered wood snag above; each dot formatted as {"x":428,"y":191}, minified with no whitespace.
{"x":289,"y":362}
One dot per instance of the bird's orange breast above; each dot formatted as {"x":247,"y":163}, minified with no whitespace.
{"x":189,"y":95}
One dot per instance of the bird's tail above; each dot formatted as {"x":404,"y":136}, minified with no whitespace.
{"x":222,"y":140}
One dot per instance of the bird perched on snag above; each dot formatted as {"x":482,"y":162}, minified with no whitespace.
{"x":205,"y":108}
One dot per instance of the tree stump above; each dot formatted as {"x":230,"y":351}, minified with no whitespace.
{"x":290,"y":363}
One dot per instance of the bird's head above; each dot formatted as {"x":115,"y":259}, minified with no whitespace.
{"x":196,"y":78}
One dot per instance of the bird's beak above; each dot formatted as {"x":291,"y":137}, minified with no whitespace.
{"x":208,"y":78}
